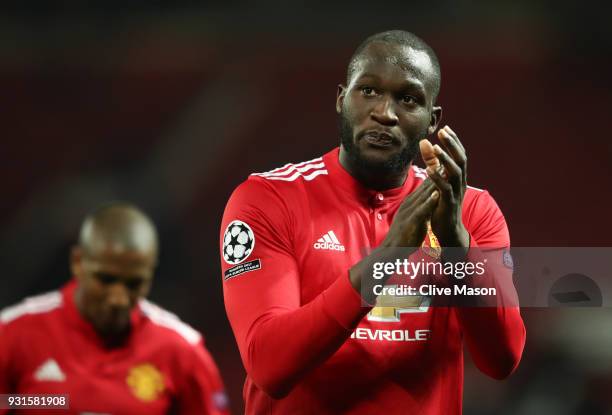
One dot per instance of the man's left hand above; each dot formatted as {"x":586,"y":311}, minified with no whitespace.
{"x":447,"y":168}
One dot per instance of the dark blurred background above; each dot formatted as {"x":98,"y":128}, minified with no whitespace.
{"x":171,"y":104}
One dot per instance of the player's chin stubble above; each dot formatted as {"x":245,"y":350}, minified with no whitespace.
{"x":397,"y":163}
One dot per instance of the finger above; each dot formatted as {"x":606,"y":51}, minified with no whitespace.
{"x":426,"y":194}
{"x":456,"y":151}
{"x":459,"y":144}
{"x":416,"y":197}
{"x":428,"y":154}
{"x":453,"y":172}
{"x":453,"y":147}
{"x":455,"y":137}
{"x":443,"y":185}
{"x":425,"y":186}
{"x":425,"y":209}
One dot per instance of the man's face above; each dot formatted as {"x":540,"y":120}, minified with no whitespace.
{"x":110,"y":285}
{"x":387,"y":107}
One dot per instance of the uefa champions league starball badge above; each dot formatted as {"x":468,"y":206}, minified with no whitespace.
{"x":238,"y":242}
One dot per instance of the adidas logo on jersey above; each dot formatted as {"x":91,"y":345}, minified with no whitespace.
{"x":329,"y":242}
{"x":49,"y":371}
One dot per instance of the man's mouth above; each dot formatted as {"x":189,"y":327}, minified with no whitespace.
{"x":379,"y":139}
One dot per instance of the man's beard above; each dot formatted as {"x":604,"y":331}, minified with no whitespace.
{"x":395,"y":164}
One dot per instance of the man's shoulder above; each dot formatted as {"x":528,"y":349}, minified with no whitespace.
{"x":288,"y":178}
{"x":31,"y":309}
{"x":484,"y":219}
{"x":168,"y":327}
{"x":285,"y":186}
{"x":478,"y":204}
{"x":479,"y":198}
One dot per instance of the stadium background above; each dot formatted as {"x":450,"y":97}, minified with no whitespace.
{"x":172,"y":104}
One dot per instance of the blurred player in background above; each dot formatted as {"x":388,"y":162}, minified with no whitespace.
{"x":99,"y":341}
{"x":292,"y":252}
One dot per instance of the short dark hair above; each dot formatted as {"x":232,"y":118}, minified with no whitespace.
{"x":403,"y":38}
{"x":114,"y":221}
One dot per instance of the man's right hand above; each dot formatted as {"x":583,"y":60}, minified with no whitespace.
{"x":410,"y":223}
{"x":408,"y":230}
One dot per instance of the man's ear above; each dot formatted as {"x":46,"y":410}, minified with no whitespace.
{"x":340,"y":94}
{"x":436,"y":116}
{"x":76,"y":254}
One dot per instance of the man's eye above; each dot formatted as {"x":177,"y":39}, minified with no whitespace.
{"x":408,"y":99}
{"x":368,"y":91}
{"x":105,"y":278}
{"x":133,"y":284}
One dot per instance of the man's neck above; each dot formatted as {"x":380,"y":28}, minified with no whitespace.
{"x":110,"y":340}
{"x":370,"y":178}
{"x":115,"y":340}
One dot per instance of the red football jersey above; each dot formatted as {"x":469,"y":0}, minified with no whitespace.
{"x":288,"y":240}
{"x":46,"y":347}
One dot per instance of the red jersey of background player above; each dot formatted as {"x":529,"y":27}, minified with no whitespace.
{"x":46,"y":347}
{"x":288,"y":239}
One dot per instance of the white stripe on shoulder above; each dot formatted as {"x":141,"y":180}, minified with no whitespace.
{"x":294,"y":176}
{"x":293,"y":168}
{"x":32,"y":305}
{"x":291,"y":172}
{"x":169,"y":320}
{"x":287,"y":166}
{"x":475,"y":188}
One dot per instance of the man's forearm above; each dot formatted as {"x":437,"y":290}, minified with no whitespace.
{"x":492,"y":325}
{"x":283,"y":347}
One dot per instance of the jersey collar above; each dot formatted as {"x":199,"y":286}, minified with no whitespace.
{"x":348,"y":183}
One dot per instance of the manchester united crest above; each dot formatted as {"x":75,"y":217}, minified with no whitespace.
{"x":146,"y":382}
{"x":430,"y":245}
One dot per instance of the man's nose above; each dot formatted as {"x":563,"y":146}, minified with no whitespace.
{"x":118,"y":296}
{"x":384,"y":111}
